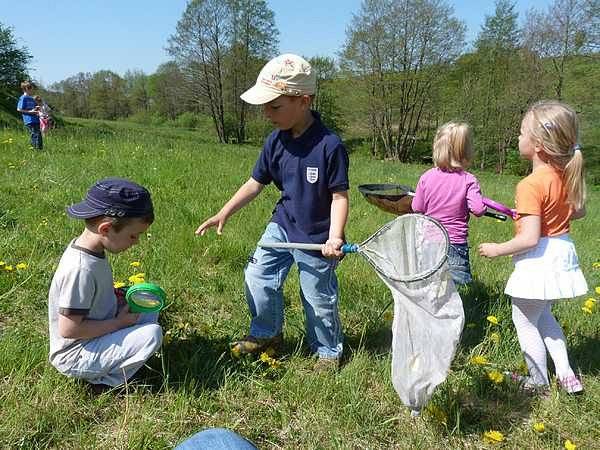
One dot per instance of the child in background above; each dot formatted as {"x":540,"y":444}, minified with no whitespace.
{"x":44,"y":114}
{"x":546,"y":265}
{"x":449,"y":193}
{"x":29,"y":111}
{"x":92,"y":336}
{"x":309,"y":165}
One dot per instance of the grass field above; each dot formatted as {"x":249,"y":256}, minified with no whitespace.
{"x":194,"y":383}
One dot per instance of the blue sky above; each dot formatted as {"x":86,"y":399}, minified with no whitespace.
{"x":67,"y":37}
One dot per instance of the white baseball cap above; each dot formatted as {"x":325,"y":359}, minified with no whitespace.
{"x":286,"y":74}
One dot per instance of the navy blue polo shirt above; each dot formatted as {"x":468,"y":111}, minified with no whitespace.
{"x":27,"y":102}
{"x":307,"y":170}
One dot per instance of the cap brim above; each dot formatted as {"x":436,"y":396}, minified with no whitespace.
{"x":259,"y":95}
{"x":83,"y":210}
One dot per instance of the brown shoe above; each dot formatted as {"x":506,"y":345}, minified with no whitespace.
{"x":327,"y":365}
{"x":250,"y":344}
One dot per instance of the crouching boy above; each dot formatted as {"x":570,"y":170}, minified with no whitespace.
{"x":94,"y":336}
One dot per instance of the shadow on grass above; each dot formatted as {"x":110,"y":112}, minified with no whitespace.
{"x":585,"y":355}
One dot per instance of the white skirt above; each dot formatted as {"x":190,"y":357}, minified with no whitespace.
{"x":549,"y":271}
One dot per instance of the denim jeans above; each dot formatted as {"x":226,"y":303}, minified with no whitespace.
{"x":216,"y":439}
{"x":36,"y":135}
{"x":458,"y":261}
{"x":265,"y":273}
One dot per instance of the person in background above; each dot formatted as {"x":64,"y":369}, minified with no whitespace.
{"x":29,"y":110}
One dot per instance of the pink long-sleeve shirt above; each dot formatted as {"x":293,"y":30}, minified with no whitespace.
{"x":449,"y":197}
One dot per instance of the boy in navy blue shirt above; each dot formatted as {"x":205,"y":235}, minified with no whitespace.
{"x":309,"y":165}
{"x":29,"y":110}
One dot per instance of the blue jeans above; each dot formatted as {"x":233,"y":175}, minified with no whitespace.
{"x":265,"y":273}
{"x":216,"y":439}
{"x":36,"y":135}
{"x":458,"y":260}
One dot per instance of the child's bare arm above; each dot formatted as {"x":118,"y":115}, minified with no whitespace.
{"x":73,"y":326}
{"x":339,"y":216}
{"x":249,"y":190}
{"x":527,"y":238}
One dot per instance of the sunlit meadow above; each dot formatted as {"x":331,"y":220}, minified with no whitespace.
{"x":277,"y":402}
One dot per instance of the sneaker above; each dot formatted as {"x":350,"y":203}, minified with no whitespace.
{"x":250,"y":344}
{"x":572,"y":385}
{"x":327,"y":365}
{"x":526,"y":383}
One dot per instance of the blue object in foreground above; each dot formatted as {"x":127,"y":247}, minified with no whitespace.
{"x":216,"y":439}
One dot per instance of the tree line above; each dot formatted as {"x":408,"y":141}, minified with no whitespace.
{"x":403,"y":70}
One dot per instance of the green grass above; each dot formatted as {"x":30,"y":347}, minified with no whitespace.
{"x":195,"y":383}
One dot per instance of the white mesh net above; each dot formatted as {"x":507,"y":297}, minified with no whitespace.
{"x":409,"y":255}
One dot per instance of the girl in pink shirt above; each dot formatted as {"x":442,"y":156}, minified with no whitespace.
{"x":449,"y":193}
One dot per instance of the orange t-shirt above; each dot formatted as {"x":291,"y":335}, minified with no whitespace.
{"x":544,"y":194}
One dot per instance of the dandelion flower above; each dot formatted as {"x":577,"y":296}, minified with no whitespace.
{"x":479,"y":360}
{"x":8,"y":268}
{"x":119,"y":284}
{"x":587,"y":310}
{"x":596,"y":265}
{"x":438,"y":414}
{"x":495,"y":376}
{"x":493,"y":320}
{"x":590,"y":303}
{"x":597,"y":290}
{"x":21,"y":266}
{"x":569,"y":445}
{"x":137,"y":278}
{"x":493,"y":436}
{"x":135,"y":264}
{"x":539,"y":427}
{"x":495,"y":338}
{"x":2,"y":263}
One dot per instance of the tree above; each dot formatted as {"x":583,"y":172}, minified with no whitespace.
{"x":566,"y":29}
{"x":136,"y":89}
{"x":397,"y":49}
{"x":72,"y":95}
{"x":107,"y":96}
{"x":325,"y":101}
{"x":166,"y":88}
{"x":218,"y":45}
{"x":13,"y":60}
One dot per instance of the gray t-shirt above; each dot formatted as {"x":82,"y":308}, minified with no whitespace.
{"x":82,"y":285}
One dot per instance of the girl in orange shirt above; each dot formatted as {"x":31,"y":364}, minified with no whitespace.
{"x":546,"y":264}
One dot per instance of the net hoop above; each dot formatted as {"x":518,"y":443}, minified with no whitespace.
{"x":423,"y":274}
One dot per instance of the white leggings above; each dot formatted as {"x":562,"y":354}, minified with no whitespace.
{"x":538,"y":330}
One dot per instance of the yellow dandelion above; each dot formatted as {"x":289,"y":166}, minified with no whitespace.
{"x":495,"y":376}
{"x":590,"y":303}
{"x":493,"y":436}
{"x":438,"y":414}
{"x":539,"y":427}
{"x":596,"y":265}
{"x":264,"y":357}
{"x":587,"y":310}
{"x":135,"y":264}
{"x":495,"y":338}
{"x":569,"y":445}
{"x":8,"y":268}
{"x":21,"y":266}
{"x":471,"y":325}
{"x":119,"y":284}
{"x":2,"y":263}
{"x":597,"y":289}
{"x":479,"y":360}
{"x":493,"y":320}
{"x":137,"y":278}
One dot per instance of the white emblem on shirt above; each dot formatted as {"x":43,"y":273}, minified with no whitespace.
{"x":312,"y":174}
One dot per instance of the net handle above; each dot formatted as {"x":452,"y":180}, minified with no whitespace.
{"x":346,"y":248}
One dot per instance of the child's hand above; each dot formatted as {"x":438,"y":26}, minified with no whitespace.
{"x":331,"y":249}
{"x":127,"y":318}
{"x":215,"y":221}
{"x":489,"y":250}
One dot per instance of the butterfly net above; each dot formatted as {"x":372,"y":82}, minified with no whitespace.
{"x":409,"y":255}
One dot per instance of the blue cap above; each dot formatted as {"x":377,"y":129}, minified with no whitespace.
{"x":113,"y":197}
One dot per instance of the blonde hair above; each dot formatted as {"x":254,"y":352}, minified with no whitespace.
{"x":452,"y":146}
{"x":555,"y":126}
